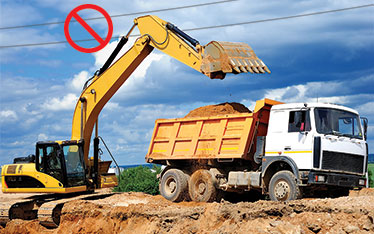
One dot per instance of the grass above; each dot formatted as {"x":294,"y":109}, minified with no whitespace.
{"x":371,"y":175}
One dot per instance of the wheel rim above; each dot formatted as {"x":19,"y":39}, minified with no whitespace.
{"x":201,"y":187}
{"x":170,"y":185}
{"x":282,"y":190}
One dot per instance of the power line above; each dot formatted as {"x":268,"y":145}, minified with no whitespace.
{"x":282,"y":18}
{"x":121,"y":15}
{"x":204,"y":28}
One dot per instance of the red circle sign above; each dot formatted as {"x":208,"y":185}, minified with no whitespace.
{"x":74,"y":14}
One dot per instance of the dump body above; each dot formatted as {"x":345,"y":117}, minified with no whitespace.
{"x":218,"y":137}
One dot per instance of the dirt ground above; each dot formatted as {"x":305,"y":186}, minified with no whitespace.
{"x":142,"y":213}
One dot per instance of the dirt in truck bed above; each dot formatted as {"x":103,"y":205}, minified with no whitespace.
{"x":219,"y":109}
{"x":142,"y":213}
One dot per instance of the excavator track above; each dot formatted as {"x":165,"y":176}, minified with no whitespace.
{"x":22,"y":208}
{"x":46,"y":208}
{"x":49,"y":213}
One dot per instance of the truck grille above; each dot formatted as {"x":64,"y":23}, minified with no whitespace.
{"x":342,"y":162}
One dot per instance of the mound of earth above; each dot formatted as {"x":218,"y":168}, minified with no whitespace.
{"x":142,"y":213}
{"x":219,"y":109}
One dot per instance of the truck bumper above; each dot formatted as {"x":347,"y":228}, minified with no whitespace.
{"x":336,"y":179}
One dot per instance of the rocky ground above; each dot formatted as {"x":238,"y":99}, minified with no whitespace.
{"x":142,"y":213}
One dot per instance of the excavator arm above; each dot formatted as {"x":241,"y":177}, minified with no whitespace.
{"x":214,"y":60}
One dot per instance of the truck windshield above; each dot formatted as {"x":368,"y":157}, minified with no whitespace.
{"x":337,"y":122}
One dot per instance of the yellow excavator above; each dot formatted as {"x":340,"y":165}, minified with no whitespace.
{"x":63,"y":169}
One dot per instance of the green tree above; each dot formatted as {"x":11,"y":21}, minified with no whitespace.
{"x":371,"y":177}
{"x":139,"y":179}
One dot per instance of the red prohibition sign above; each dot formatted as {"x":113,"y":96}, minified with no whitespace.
{"x":74,"y":14}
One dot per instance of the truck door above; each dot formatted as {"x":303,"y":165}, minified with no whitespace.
{"x":292,"y":137}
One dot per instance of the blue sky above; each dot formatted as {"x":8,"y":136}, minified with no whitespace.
{"x":329,"y":57}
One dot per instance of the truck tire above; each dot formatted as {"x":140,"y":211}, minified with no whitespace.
{"x":283,"y":187}
{"x":202,"y":187}
{"x":173,"y":185}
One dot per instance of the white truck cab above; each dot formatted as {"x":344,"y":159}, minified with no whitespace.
{"x":325,"y":144}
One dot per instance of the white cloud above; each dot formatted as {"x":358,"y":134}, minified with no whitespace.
{"x":367,"y":109}
{"x":14,"y":14}
{"x":8,"y":116}
{"x":42,"y":137}
{"x":319,"y":91}
{"x":54,"y":63}
{"x":59,"y":104}
{"x":112,"y":106}
{"x":78,"y":81}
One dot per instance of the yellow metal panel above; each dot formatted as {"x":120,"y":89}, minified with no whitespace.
{"x":164,"y":131}
{"x":187,"y":129}
{"x":230,"y":146}
{"x":182,"y":148}
{"x":205,"y":148}
{"x":172,"y":138}
{"x":51,"y":184}
{"x":211,"y":128}
{"x":221,"y":131}
{"x":108,"y":181}
{"x":173,"y":46}
{"x":261,"y":103}
{"x":196,"y":135}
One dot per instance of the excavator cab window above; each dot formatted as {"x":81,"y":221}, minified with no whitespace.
{"x":75,"y":172}
{"x":49,"y":161}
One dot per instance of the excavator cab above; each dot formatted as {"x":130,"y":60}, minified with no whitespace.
{"x":64,"y":162}
{"x":57,"y":167}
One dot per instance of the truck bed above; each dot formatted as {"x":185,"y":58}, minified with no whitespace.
{"x":219,"y":137}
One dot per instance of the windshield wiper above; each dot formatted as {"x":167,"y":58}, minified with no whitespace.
{"x":339,"y":134}
{"x":335,"y":133}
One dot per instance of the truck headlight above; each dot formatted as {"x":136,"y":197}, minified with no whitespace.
{"x":361,"y":182}
{"x":320,"y":178}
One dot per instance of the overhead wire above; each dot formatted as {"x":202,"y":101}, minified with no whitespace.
{"x":120,"y":15}
{"x":207,"y":27}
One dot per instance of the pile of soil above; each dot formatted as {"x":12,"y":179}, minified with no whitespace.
{"x":219,"y":109}
{"x":142,"y":213}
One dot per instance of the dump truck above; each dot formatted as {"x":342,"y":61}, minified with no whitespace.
{"x":63,"y":168}
{"x":282,"y":150}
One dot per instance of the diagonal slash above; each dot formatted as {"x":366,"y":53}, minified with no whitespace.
{"x":88,"y":28}
{"x":74,"y":14}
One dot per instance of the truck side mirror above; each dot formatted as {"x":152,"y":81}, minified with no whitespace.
{"x":365,"y":121}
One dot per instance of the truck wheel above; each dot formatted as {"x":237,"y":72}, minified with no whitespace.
{"x":283,"y":187}
{"x":173,"y":185}
{"x":201,"y":186}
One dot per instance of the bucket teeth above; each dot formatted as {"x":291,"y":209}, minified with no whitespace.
{"x":220,"y":58}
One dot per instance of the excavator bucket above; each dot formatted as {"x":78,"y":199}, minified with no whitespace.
{"x":220,"y":58}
